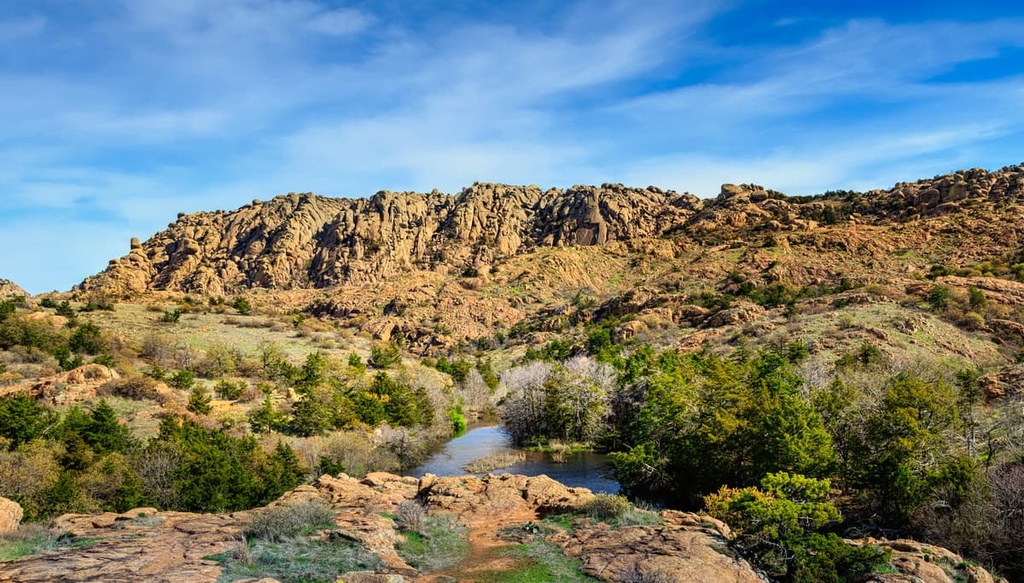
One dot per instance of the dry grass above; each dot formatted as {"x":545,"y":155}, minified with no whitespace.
{"x":495,"y":461}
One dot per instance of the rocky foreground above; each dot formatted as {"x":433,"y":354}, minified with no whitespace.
{"x":175,"y":546}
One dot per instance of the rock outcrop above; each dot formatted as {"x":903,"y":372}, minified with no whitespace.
{"x":304,"y":240}
{"x":176,"y":546}
{"x":10,"y":515}
{"x":9,"y":289}
{"x":74,"y":386}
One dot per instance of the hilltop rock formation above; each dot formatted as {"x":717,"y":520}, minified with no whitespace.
{"x":9,"y":289}
{"x":303,"y":240}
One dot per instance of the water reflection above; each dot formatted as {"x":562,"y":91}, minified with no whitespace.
{"x":589,"y":470}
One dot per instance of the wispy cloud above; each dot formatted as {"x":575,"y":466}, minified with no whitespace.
{"x":121,"y":114}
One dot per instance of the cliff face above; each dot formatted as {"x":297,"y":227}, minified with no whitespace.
{"x":307,"y":241}
{"x":304,"y":241}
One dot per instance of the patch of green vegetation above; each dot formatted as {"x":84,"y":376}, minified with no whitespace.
{"x":32,"y":539}
{"x":295,"y":560}
{"x":436,"y":542}
{"x":541,"y":562}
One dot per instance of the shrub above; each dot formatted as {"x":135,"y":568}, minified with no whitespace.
{"x":410,"y":516}
{"x":199,"y":401}
{"x":242,"y":306}
{"x":780,"y":529}
{"x":277,"y":523}
{"x":183,"y":380}
{"x":135,"y":388}
{"x":230,"y":391}
{"x":171,"y":316}
{"x":938,"y":297}
{"x":606,"y":506}
{"x":384,"y":354}
{"x":440,"y":542}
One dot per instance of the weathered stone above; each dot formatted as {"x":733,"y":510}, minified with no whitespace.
{"x":10,"y":515}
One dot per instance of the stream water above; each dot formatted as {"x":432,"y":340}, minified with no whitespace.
{"x":586,"y":469}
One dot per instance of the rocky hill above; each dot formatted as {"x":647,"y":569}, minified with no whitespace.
{"x":497,"y":261}
{"x":309,"y":241}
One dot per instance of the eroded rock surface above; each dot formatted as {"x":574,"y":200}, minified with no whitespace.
{"x":10,"y":515}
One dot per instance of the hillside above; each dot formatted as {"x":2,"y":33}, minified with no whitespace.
{"x":820,"y":375}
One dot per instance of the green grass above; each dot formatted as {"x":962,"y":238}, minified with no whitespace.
{"x":438,"y":543}
{"x":541,"y":562}
{"x":295,"y":560}
{"x":32,"y":539}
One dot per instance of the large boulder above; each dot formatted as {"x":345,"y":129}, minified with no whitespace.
{"x":10,"y":515}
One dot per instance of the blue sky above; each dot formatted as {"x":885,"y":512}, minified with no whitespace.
{"x":115,"y":115}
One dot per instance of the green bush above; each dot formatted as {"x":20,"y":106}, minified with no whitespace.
{"x":242,"y":306}
{"x":780,"y":527}
{"x":229,"y":390}
{"x":384,"y":354}
{"x":182,"y":380}
{"x":199,"y":401}
{"x":938,"y":297}
{"x":87,"y":339}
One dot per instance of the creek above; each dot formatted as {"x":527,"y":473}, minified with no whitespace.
{"x":584,"y":469}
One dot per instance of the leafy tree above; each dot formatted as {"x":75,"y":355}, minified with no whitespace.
{"x":104,"y":433}
{"x":313,"y":372}
{"x":311,"y":415}
{"x":66,"y":360}
{"x":217,"y":472}
{"x":719,"y":422}
{"x":976,"y":298}
{"x":285,"y":471}
{"x":938,"y":297}
{"x":7,"y":309}
{"x":903,"y":453}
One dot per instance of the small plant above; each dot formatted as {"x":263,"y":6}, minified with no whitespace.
{"x":606,"y":506}
{"x":183,"y":379}
{"x":278,"y":523}
{"x":171,"y":316}
{"x":242,"y":306}
{"x":199,"y":401}
{"x":384,"y":354}
{"x":230,"y":391}
{"x":135,"y":388}
{"x":495,"y":461}
{"x":410,"y":516}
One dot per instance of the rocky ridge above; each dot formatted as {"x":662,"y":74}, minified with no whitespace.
{"x":309,"y":241}
{"x":177,"y":546}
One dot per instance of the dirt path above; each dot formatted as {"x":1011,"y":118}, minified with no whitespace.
{"x":485,"y":553}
